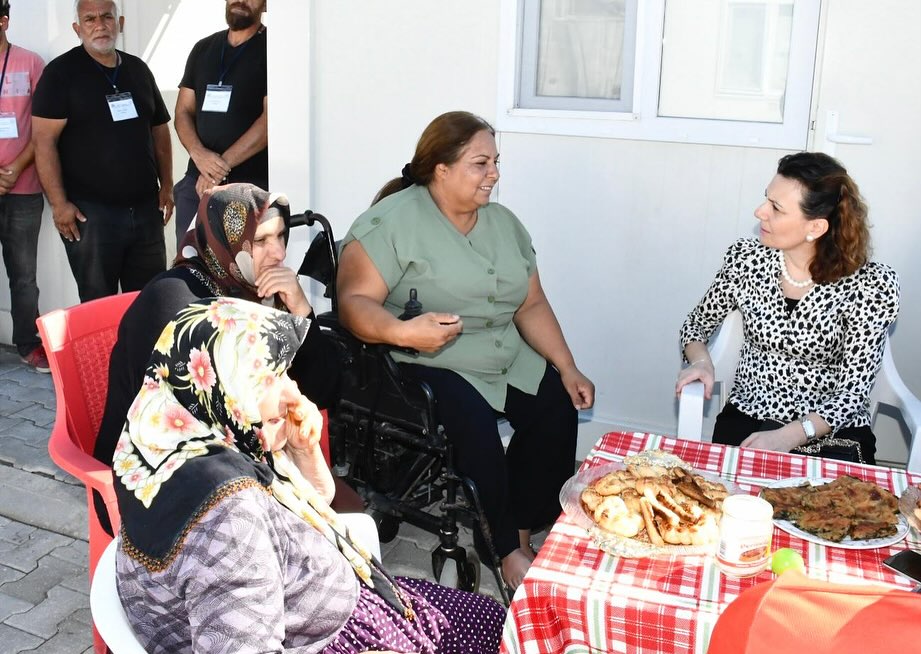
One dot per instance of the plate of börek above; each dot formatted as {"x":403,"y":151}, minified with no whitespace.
{"x":651,"y":504}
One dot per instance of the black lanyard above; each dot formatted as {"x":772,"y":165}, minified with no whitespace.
{"x":222,"y":71}
{"x":113,"y":79}
{"x":6,"y":60}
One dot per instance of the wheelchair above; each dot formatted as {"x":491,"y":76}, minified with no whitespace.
{"x":386,"y":442}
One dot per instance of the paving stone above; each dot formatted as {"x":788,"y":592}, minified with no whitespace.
{"x":74,"y":635}
{"x":26,"y":556}
{"x":10,"y":605}
{"x":82,"y":617}
{"x":26,"y":376}
{"x":40,"y":416}
{"x":7,"y":423}
{"x":76,"y":552}
{"x":9,"y":406}
{"x":423,"y":539}
{"x":27,"y":456}
{"x":16,"y":390}
{"x":8,"y":574}
{"x":63,"y":506}
{"x":48,"y":574}
{"x":405,"y":559}
{"x":79,"y":582}
{"x":15,"y":532}
{"x":44,"y":618}
{"x":15,"y":640}
{"x":28,"y":430}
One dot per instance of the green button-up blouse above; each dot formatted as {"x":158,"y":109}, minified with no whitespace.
{"x":482,"y":277}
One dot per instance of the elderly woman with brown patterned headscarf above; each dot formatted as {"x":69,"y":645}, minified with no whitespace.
{"x":236,"y":249}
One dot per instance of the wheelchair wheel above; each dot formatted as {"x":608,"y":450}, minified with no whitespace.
{"x":464,"y":576}
{"x":387,"y":526}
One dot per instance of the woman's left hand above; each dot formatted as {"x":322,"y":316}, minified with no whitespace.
{"x":580,"y":388}
{"x":283,"y":281}
{"x":783,"y":439}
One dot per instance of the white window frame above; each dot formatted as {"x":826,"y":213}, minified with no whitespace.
{"x":643,"y":123}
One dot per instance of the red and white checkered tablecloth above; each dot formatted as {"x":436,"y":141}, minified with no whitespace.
{"x":576,"y":598}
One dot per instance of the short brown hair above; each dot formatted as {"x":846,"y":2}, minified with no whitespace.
{"x":830,"y":193}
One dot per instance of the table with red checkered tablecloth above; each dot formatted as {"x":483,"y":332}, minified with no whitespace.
{"x":576,"y":598}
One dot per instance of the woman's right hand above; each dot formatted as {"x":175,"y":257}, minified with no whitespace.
{"x":702,"y":371}
{"x":430,"y":332}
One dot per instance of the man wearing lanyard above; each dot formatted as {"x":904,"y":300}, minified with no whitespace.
{"x":21,"y":200}
{"x":221,"y":116}
{"x":103,"y":153}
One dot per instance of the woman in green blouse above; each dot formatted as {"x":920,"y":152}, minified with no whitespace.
{"x":488,"y":331}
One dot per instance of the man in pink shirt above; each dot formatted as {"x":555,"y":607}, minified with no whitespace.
{"x":21,"y":201}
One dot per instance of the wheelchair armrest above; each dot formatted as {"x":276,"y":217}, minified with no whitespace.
{"x":329,"y":320}
{"x":691,"y":412}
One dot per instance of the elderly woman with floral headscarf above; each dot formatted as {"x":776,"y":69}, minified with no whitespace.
{"x":236,"y":249}
{"x":228,"y":544}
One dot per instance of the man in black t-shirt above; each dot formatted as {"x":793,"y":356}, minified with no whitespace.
{"x":103,"y":155}
{"x":221,"y":116}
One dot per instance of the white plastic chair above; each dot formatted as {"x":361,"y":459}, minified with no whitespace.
{"x":108,"y":614}
{"x":724,"y":351}
{"x":110,"y":618}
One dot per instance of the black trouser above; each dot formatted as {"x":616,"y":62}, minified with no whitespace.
{"x":20,"y":222}
{"x":732,"y":427}
{"x":519,"y":488}
{"x":118,"y":246}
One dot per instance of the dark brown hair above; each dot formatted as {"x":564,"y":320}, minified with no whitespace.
{"x":441,"y":142}
{"x":830,"y":193}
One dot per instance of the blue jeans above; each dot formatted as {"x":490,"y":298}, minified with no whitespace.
{"x":20,"y":222}
{"x":118,"y":246}
{"x":185,"y":199}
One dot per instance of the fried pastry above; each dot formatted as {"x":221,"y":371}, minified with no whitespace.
{"x":844,"y":507}
{"x":655,"y":502}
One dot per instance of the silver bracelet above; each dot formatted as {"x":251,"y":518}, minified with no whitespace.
{"x":697,"y":361}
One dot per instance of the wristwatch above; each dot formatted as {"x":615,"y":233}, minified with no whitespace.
{"x":809,"y":428}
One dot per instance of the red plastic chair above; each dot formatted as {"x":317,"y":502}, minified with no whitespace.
{"x":78,"y":342}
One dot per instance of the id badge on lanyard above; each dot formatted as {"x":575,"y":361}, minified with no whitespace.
{"x":8,"y":127}
{"x":217,"y":98}
{"x":121,"y":106}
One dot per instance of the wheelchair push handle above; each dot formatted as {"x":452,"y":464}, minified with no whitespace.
{"x":321,"y":261}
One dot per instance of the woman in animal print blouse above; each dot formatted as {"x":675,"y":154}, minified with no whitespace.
{"x":815,"y":313}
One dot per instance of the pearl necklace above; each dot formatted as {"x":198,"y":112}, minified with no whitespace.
{"x":806,"y":283}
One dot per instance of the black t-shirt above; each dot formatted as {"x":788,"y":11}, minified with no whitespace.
{"x":102,"y":160}
{"x":244,"y":69}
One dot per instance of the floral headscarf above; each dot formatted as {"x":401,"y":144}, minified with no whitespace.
{"x":192,"y":437}
{"x":220,"y":246}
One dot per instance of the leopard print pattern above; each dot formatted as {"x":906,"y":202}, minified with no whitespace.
{"x":821,"y":357}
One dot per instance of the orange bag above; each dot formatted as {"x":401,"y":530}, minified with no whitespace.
{"x":795,"y":614}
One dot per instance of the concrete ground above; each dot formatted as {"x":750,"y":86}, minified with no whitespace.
{"x":44,"y":587}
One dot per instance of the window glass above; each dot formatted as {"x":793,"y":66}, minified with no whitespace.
{"x":578,"y":54}
{"x":729,"y":72}
{"x":726,"y":59}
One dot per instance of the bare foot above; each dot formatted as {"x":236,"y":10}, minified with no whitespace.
{"x":514,"y":566}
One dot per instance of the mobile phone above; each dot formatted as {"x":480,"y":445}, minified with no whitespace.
{"x":906,"y":563}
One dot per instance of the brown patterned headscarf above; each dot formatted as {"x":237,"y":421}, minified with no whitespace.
{"x":220,"y":245}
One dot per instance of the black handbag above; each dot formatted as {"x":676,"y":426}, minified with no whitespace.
{"x":842,"y":449}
